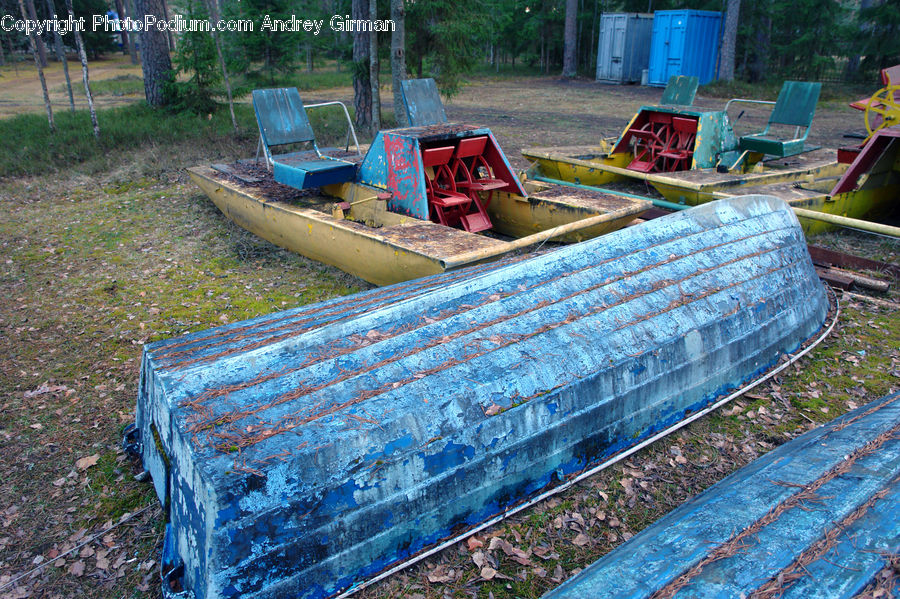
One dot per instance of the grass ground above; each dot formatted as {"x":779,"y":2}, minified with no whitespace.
{"x":101,"y":255}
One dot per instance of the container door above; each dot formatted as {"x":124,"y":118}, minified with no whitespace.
{"x":659,"y":48}
{"x":620,"y":22}
{"x":675,"y":45}
{"x":604,"y":47}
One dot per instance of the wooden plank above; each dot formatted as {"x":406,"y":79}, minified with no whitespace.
{"x":826,"y":257}
{"x":863,"y":281}
{"x":834,"y":279}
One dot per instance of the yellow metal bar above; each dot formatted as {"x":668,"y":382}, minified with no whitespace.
{"x":523,"y":242}
{"x":853,"y":223}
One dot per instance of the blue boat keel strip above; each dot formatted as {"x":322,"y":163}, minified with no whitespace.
{"x":833,"y":316}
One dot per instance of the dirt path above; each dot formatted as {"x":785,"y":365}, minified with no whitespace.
{"x":20,"y":88}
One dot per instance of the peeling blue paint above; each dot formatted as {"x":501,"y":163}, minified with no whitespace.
{"x":330,"y":441}
{"x":850,"y":480}
{"x":394,"y":163}
{"x":447,"y":459}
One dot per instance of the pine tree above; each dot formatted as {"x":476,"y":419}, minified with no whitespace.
{"x":443,"y":37}
{"x":262,"y":53}
{"x":881,"y":45}
{"x":195,"y":57}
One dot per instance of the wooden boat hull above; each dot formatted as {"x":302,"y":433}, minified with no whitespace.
{"x":818,"y":517}
{"x":383,"y":247}
{"x":300,"y":453}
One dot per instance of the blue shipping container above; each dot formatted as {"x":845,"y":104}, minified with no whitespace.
{"x":684,"y":42}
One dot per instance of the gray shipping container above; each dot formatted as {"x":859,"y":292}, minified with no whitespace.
{"x":624,"y":47}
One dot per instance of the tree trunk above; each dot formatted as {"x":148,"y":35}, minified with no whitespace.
{"x":2,"y":53}
{"x":155,"y":62}
{"x":398,"y":58}
{"x":579,"y":55}
{"x":120,"y":10}
{"x":373,"y":69}
{"x":135,"y":36}
{"x":854,"y":60}
{"x":570,"y":65}
{"x":762,"y":38}
{"x":39,"y":43}
{"x":79,"y":43}
{"x":729,"y":41}
{"x":169,"y":35}
{"x":40,"y":70}
{"x":12,"y":54}
{"x":61,"y":55}
{"x":213,"y":11}
{"x":362,"y":92}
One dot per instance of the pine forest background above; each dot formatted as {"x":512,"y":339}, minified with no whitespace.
{"x":823,"y":40}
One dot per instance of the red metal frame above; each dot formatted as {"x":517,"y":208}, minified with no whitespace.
{"x":680,"y":150}
{"x":455,"y":203}
{"x":472,"y":171}
{"x":866,"y":159}
{"x":661,"y":142}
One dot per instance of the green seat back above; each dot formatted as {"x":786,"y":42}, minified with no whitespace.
{"x":680,"y":90}
{"x":281,"y":116}
{"x":796,"y":104}
{"x":422,"y":102}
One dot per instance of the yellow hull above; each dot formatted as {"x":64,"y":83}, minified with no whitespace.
{"x":591,"y":166}
{"x":384,"y":248}
{"x":348,"y":245}
{"x":517,"y":216}
{"x":585,"y":166}
{"x":855,"y":204}
{"x":803,"y":181}
{"x":682,"y":189}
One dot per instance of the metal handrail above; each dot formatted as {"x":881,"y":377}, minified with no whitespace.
{"x":728,"y":103}
{"x":351,"y":130}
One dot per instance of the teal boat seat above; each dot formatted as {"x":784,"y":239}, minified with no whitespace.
{"x":282,"y":120}
{"x":680,"y":90}
{"x":795,"y":106}
{"x":422,"y":102}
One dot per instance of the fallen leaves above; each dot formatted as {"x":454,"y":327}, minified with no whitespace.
{"x":474,"y":543}
{"x":492,"y":410}
{"x":516,"y":554}
{"x":45,"y":388}
{"x":87,"y":461}
{"x":77,"y":568}
{"x":441,"y":574}
{"x":581,"y":540}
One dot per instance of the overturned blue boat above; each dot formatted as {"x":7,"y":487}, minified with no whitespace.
{"x":301,"y":453}
{"x":817,"y":517}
